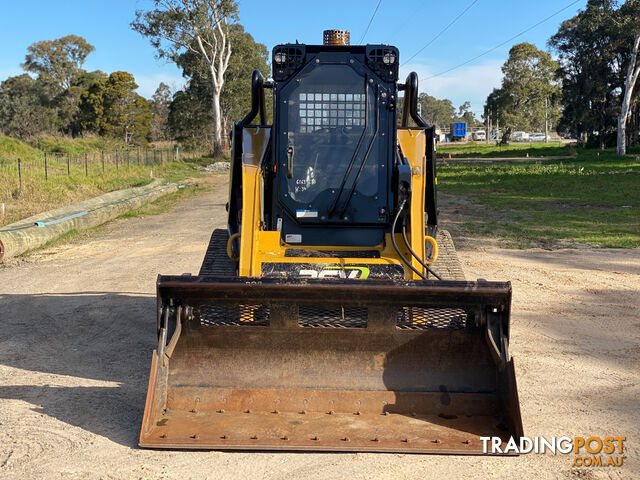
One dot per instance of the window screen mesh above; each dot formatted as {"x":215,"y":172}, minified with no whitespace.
{"x":319,"y":110}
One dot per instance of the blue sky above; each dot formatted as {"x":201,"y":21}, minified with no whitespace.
{"x":407,"y":24}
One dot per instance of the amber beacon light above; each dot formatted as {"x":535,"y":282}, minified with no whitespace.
{"x":336,"y":37}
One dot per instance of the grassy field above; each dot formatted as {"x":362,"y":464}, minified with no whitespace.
{"x":69,"y":179}
{"x":39,"y":195}
{"x":76,"y":146}
{"x":481,"y":149}
{"x":12,"y":148}
{"x":590,"y":199}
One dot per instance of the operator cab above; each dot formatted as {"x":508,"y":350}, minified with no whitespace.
{"x":333,"y":143}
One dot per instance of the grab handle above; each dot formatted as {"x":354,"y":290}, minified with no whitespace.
{"x":290,"y":161}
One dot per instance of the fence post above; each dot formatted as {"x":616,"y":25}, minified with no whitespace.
{"x":116,"y":160}
{"x":177,"y":154}
{"x":128,"y":163}
{"x":102,"y":158}
{"x":138,"y":155}
{"x":19,"y":174}
{"x":86,"y":167}
{"x":68,"y":165}
{"x":46,"y":174}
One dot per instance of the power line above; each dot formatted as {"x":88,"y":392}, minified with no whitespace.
{"x":503,"y":43}
{"x":442,"y":31}
{"x":370,"y":22}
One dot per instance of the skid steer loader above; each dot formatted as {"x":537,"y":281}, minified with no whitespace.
{"x":322,"y":317}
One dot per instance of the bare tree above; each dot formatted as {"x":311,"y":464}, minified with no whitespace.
{"x":629,"y":84}
{"x":200,"y":26}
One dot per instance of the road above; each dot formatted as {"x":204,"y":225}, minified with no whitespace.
{"x":78,"y":329}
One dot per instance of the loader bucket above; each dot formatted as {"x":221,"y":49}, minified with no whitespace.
{"x":338,"y":365}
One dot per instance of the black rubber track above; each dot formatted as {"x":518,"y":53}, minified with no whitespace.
{"x":216,"y":261}
{"x":448,"y":264}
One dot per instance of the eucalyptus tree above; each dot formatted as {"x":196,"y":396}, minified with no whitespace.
{"x":528,"y":98}
{"x":198,"y":26}
{"x":630,"y":45}
{"x":57,"y":63}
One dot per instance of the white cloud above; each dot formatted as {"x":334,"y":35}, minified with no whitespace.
{"x":471,"y":82}
{"x":147,"y":84}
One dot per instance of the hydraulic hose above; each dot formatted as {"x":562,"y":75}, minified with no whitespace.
{"x":406,"y":242}
{"x":395,"y":245}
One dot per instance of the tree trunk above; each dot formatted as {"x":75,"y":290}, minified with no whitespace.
{"x":506,"y":136}
{"x":546,"y":120}
{"x":621,"y":148}
{"x":217,"y":120}
{"x":629,"y":84}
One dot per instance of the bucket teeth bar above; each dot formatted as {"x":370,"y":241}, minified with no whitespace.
{"x":304,"y":364}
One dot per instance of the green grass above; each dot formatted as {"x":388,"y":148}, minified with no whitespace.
{"x":583,"y":200}
{"x":12,"y":148}
{"x":166,"y":202}
{"x":481,"y":149}
{"x":39,"y":195}
{"x":76,"y":146}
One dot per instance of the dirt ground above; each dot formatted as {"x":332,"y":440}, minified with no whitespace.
{"x":78,"y":329}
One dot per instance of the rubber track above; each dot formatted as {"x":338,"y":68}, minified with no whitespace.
{"x":216,"y":261}
{"x":448,"y":264}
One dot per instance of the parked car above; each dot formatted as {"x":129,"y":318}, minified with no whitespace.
{"x":537,"y":137}
{"x":480,"y":135}
{"x":519,"y":136}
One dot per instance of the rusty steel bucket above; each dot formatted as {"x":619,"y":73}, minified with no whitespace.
{"x":295,"y":364}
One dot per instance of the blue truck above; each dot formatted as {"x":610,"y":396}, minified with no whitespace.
{"x":458,"y":131}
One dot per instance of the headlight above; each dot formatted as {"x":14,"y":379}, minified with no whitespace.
{"x":280,"y":58}
{"x":389,"y":58}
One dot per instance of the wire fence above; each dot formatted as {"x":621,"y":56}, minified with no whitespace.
{"x":52,"y":165}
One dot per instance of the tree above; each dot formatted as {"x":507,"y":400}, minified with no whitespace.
{"x":191,"y":111}
{"x":435,"y":111}
{"x":630,"y":82}
{"x":497,"y":103}
{"x":529,"y":95}
{"x":465,"y":114}
{"x":159,"y":107}
{"x":67,"y":104}
{"x":110,"y":106}
{"x":630,"y":14}
{"x":590,"y":71}
{"x":126,"y":114}
{"x":22,"y":113}
{"x":57,"y":62}
{"x":199,"y":26}
{"x":247,"y":56}
{"x":90,"y":114}
{"x":187,"y":118}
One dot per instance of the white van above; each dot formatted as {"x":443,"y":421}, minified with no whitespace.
{"x":519,"y":136}
{"x":480,"y":135}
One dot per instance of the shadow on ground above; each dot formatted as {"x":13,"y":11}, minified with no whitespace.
{"x":99,"y":336}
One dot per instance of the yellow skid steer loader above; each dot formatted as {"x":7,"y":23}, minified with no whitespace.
{"x":332,"y":314}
